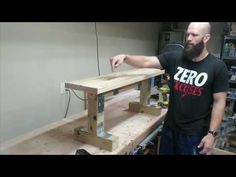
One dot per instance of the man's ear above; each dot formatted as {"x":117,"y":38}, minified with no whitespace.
{"x":206,"y":38}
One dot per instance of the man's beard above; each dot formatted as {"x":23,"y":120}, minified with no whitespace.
{"x":192,"y":51}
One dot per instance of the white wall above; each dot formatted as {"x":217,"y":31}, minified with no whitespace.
{"x":36,"y":57}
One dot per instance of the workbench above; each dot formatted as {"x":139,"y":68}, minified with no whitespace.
{"x":58,"y":137}
{"x":122,"y":130}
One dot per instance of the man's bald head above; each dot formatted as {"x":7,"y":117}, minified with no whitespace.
{"x":197,"y":36}
{"x":202,"y":27}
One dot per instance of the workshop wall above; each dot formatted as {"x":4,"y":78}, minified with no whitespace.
{"x":35,"y":58}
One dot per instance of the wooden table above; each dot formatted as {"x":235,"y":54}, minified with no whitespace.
{"x":58,"y":137}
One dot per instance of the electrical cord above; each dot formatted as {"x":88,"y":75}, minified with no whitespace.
{"x":83,"y":99}
{"x":98,"y":65}
{"x":68,"y":105}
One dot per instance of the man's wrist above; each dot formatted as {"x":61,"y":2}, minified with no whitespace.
{"x":125,"y":57}
{"x":213,"y":133}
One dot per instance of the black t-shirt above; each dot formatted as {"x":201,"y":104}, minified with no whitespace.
{"x":192,"y":85}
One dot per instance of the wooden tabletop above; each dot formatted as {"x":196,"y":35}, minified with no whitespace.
{"x":102,"y":84}
{"x":58,"y":137}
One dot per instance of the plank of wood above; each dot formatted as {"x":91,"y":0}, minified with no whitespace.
{"x":58,"y":138}
{"x":102,"y":84}
{"x":217,"y":151}
{"x":104,"y":140}
{"x":145,"y":92}
{"x":137,"y":107}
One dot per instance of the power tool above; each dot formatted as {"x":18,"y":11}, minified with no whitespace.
{"x":164,"y":96}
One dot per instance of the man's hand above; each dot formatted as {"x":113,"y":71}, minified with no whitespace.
{"x":206,"y":144}
{"x":117,"y":60}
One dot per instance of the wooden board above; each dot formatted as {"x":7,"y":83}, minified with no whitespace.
{"x":217,"y":151}
{"x":58,"y":137}
{"x":102,"y":84}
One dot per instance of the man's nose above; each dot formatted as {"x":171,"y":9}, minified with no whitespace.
{"x":189,"y":38}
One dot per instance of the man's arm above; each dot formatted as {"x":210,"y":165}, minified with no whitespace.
{"x":136,"y":61}
{"x":217,"y":115}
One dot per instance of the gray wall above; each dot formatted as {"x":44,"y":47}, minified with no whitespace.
{"x":36,"y":57}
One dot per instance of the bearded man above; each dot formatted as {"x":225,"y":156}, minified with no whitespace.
{"x":198,"y":89}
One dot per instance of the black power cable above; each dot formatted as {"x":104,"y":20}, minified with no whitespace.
{"x":68,"y":104}
{"x":98,"y":66}
{"x":83,"y":99}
